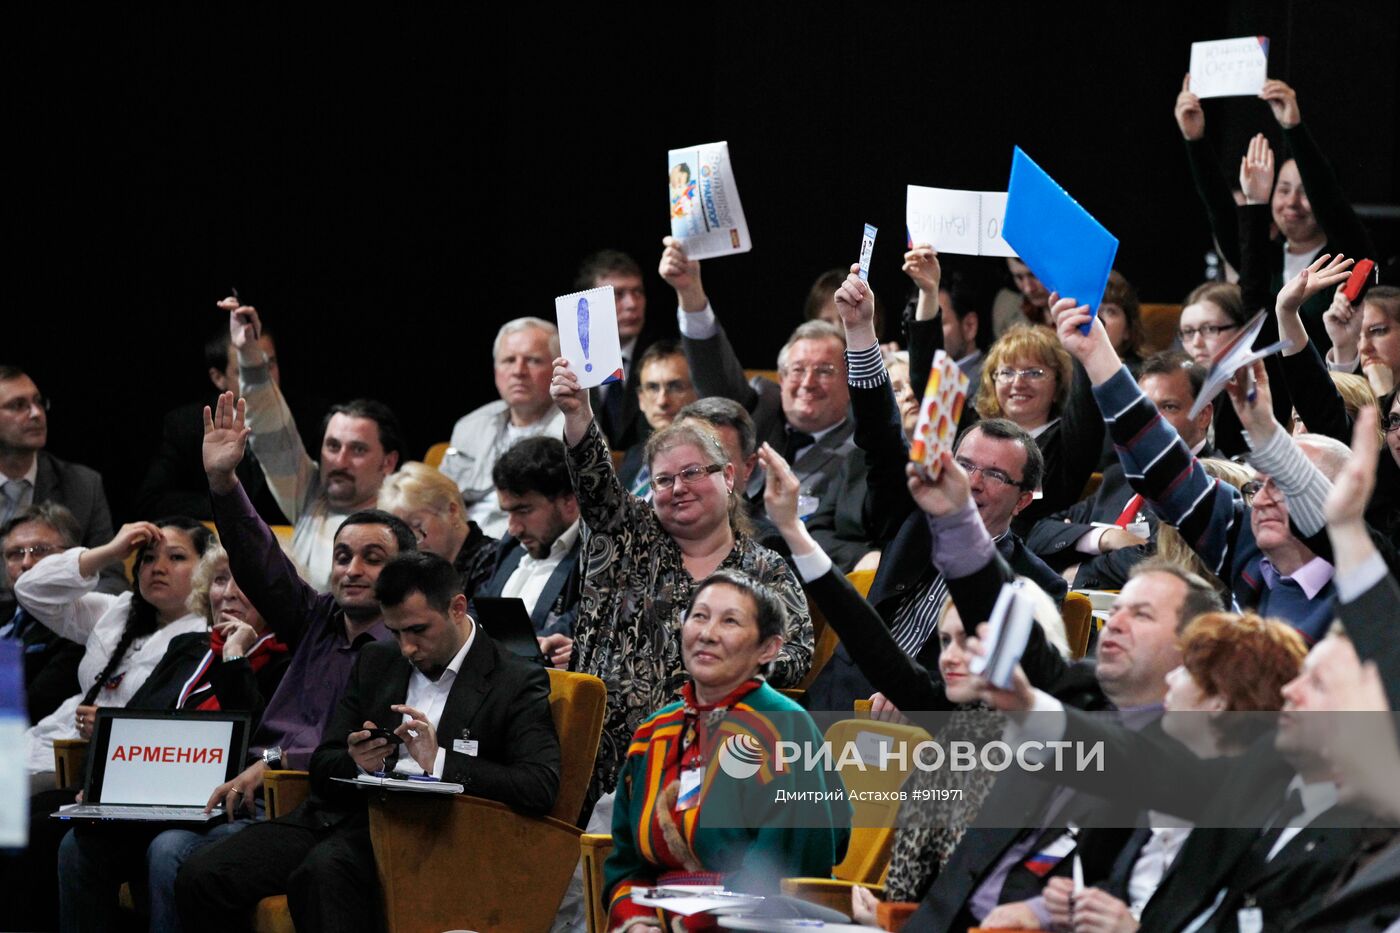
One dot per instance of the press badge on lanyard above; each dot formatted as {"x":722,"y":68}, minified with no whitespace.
{"x":691,"y":779}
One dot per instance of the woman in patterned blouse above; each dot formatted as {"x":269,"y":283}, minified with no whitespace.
{"x":642,"y":562}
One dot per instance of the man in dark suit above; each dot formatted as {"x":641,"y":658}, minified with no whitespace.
{"x":538,"y":559}
{"x":805,"y":418}
{"x":175,"y":483}
{"x":665,"y":388}
{"x":464,"y":712}
{"x":50,"y":662}
{"x":1091,"y":542}
{"x":30,"y":475}
{"x":615,"y":404}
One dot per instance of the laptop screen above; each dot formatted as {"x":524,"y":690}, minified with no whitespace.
{"x":166,"y":759}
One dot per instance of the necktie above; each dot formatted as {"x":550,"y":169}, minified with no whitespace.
{"x":795,"y":441}
{"x":1130,"y":511}
{"x":14,"y":491}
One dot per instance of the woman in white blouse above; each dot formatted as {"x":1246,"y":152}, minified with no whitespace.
{"x":125,"y":636}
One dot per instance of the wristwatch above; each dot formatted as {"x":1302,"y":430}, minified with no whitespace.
{"x":272,"y":757}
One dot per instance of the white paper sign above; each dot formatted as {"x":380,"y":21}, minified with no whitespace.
{"x":150,"y":762}
{"x":588,"y":335}
{"x":705,"y":210}
{"x":952,"y":221}
{"x":1229,"y":67}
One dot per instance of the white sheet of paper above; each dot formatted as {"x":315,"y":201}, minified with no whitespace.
{"x":952,"y":221}
{"x":1233,"y":357}
{"x":705,"y":210}
{"x":689,"y":899}
{"x":1007,"y":632}
{"x":588,"y":335}
{"x":1229,"y":67}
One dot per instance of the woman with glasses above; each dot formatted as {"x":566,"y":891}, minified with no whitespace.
{"x":1212,"y":317}
{"x":643,"y":560}
{"x":1030,"y":379}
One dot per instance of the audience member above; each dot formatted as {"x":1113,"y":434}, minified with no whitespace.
{"x":1031,"y":305}
{"x":429,"y":503}
{"x":733,"y":630}
{"x":538,"y":560}
{"x":236,"y":665}
{"x":1091,"y":542}
{"x":664,"y":389}
{"x":320,"y":854}
{"x":642,"y":562}
{"x":360,"y":445}
{"x":522,"y":351}
{"x":1122,"y":318}
{"x":907,"y":591}
{"x":1309,"y":209}
{"x":1029,"y":379}
{"x":174,"y":483}
{"x":124,"y":636}
{"x":30,"y":475}
{"x":619,"y":415}
{"x":50,"y":660}
{"x":805,"y":417}
{"x":1368,"y":340}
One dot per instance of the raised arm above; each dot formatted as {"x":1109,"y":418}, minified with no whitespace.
{"x":1314,"y":394}
{"x":714,"y":367}
{"x":878,"y":429}
{"x":292,"y":476}
{"x":606,"y":506}
{"x":59,"y":592}
{"x":1211,"y":184}
{"x":263,"y":571}
{"x":926,"y":330}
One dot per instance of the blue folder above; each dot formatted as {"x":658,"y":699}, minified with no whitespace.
{"x":1067,"y":249}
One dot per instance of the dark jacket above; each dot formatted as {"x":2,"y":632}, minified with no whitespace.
{"x":557,"y":607}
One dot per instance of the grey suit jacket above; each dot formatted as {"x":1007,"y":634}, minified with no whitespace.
{"x":79,"y":489}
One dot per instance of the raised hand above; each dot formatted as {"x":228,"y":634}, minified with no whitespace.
{"x":1257,"y":171}
{"x":921,"y":265}
{"x":855,"y":302}
{"x":1354,"y":483}
{"x":1254,"y":406}
{"x":1283,"y":101}
{"x":1342,"y":322}
{"x":244,"y":328}
{"x":1324,"y":272}
{"x":683,"y":274}
{"x":225,"y":435}
{"x":572,"y":400}
{"x":1190,"y":118}
{"x":1094,"y":350}
{"x":943,"y":496}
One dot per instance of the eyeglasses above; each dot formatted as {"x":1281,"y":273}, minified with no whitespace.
{"x":1007,"y":376}
{"x":674,"y":387}
{"x":40,"y":551}
{"x":1392,"y":422}
{"x":690,"y":476}
{"x":21,"y":406}
{"x":825,"y":372}
{"x":1205,"y":330}
{"x":1255,"y":486}
{"x":991,"y":474}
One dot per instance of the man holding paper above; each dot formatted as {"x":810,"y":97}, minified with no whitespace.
{"x":805,"y":418}
{"x":464,"y":710}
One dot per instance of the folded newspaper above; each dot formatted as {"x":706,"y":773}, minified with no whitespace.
{"x":1007,"y":632}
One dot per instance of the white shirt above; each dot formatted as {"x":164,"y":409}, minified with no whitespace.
{"x":1293,"y":263}
{"x":531,"y":575}
{"x":1152,"y":863}
{"x":429,"y":697}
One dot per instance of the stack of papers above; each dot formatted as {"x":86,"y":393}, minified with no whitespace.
{"x":690,"y":899}
{"x":416,"y":787}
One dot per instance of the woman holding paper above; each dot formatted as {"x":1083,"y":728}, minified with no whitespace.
{"x":643,"y":561}
{"x":681,"y":816}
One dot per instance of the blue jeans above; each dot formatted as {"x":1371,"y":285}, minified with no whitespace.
{"x":93,"y":861}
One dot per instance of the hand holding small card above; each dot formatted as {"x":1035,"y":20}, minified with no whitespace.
{"x":939,"y":414}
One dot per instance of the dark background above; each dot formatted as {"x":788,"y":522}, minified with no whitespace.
{"x":389,"y":189}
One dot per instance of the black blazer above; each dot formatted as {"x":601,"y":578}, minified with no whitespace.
{"x":50,"y":667}
{"x":1366,"y":902}
{"x":499,"y":701}
{"x":557,"y":606}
